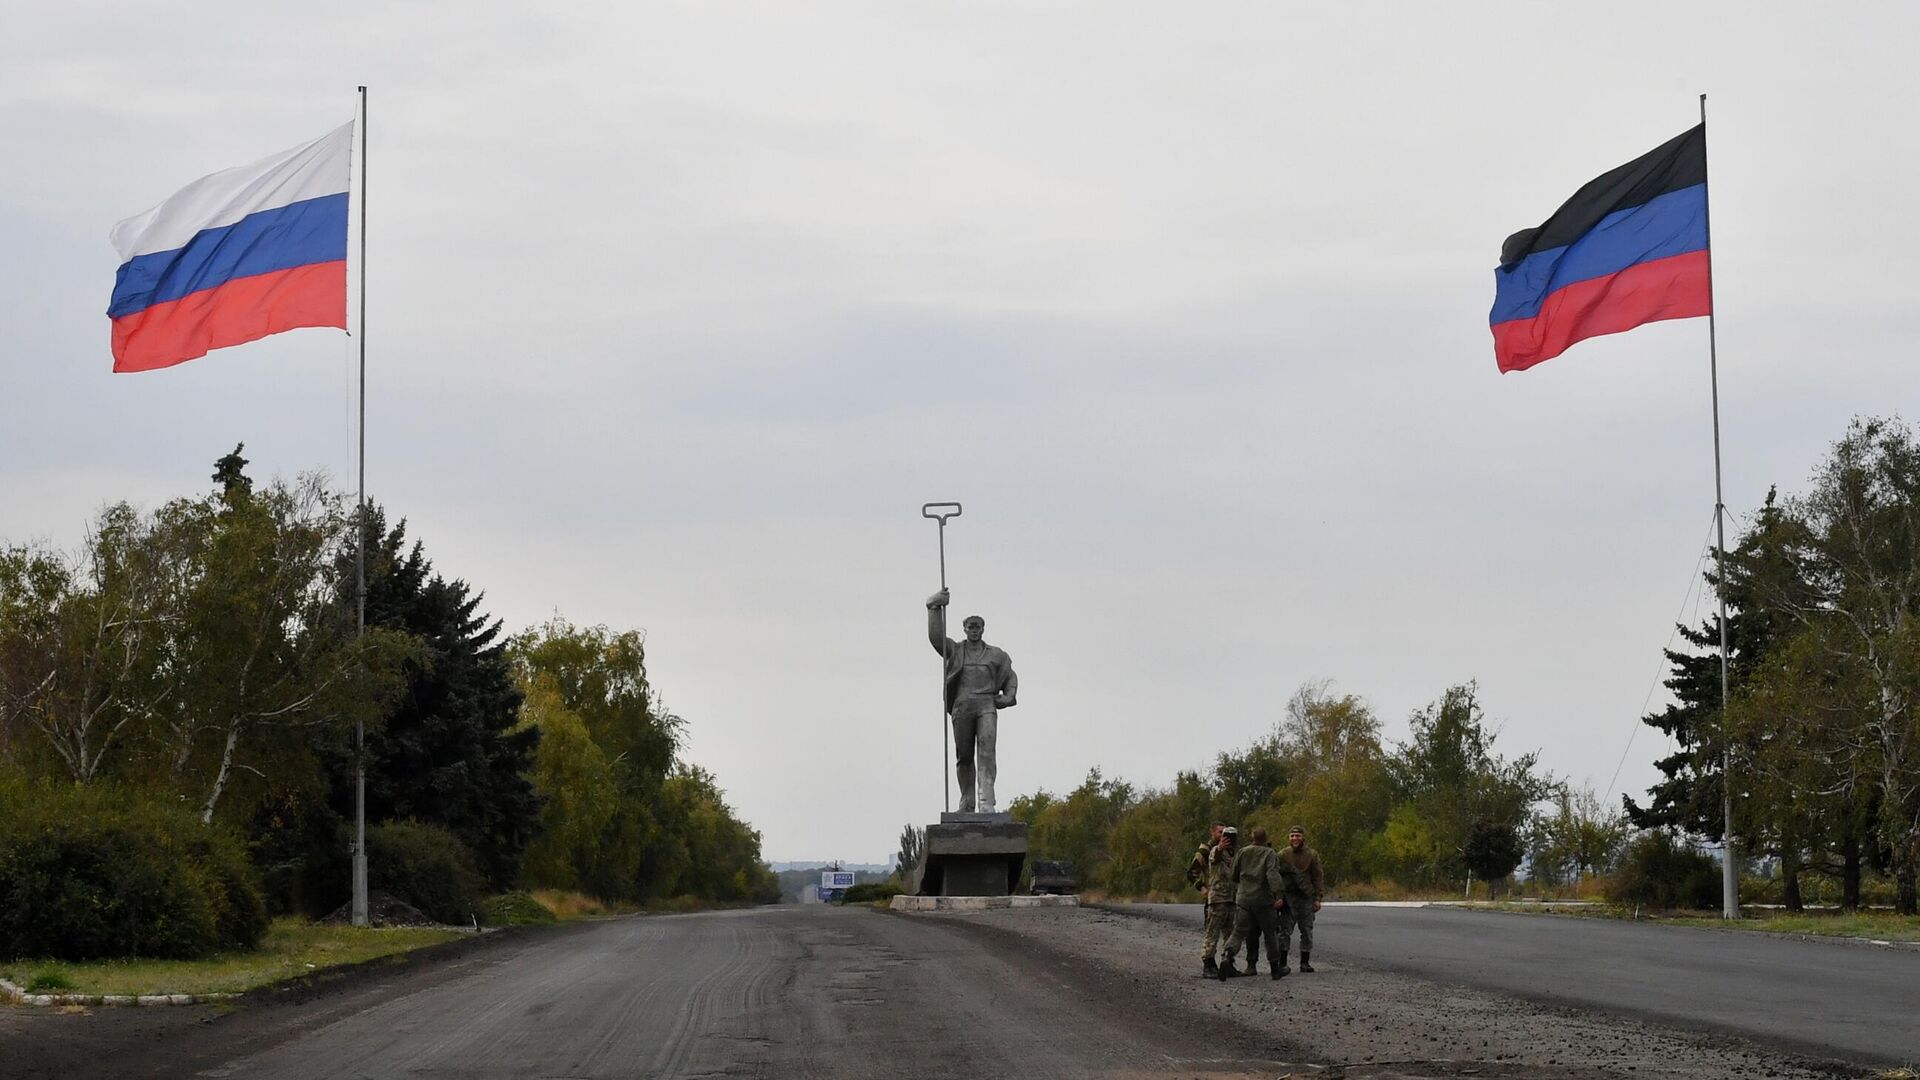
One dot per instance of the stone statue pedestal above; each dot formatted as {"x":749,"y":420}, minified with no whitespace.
{"x":970,"y":855}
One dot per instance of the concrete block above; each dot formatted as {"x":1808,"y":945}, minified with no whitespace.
{"x":970,"y":857}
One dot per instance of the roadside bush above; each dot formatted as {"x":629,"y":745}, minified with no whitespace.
{"x":426,"y":866}
{"x":102,"y":872}
{"x":517,"y":908}
{"x":304,"y":852}
{"x":868,"y":892}
{"x":239,"y":907}
{"x":1659,"y":871}
{"x":48,"y":982}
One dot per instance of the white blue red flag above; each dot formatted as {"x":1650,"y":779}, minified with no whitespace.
{"x":234,"y":257}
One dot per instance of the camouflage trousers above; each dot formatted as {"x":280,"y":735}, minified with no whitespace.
{"x":1219,"y":928}
{"x":1298,"y":912}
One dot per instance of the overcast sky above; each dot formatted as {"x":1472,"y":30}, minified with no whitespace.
{"x":680,"y":311}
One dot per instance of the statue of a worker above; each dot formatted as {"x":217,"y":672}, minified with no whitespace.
{"x":979,"y":683}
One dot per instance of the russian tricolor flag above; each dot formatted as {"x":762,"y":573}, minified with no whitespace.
{"x":1629,"y":248}
{"x":234,"y":257}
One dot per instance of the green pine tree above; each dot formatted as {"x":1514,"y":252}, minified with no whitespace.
{"x":448,"y":752}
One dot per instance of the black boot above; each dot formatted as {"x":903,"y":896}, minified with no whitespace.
{"x":1280,"y":972}
{"x":1208,"y":967}
{"x":1227,"y":970}
{"x":1305,"y":967}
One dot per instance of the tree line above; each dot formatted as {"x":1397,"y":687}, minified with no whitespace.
{"x":1823,"y":647}
{"x":1426,"y":813}
{"x":209,"y":654}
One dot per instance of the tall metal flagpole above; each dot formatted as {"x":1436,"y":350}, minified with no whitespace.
{"x":1729,"y":874}
{"x":360,"y":560}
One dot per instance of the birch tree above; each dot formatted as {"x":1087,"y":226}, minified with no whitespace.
{"x":83,"y":638}
{"x":263,"y":644}
{"x":1863,"y":515}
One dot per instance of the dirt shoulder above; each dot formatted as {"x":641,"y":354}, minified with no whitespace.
{"x":1350,"y":1019}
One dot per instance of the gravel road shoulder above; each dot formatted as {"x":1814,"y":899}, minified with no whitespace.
{"x":1353,"y":1019}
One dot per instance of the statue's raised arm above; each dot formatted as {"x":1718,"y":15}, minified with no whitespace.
{"x":937,"y":622}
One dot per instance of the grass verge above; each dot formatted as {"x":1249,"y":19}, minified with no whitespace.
{"x":291,"y":948}
{"x":1869,"y":925}
{"x":1877,"y":926}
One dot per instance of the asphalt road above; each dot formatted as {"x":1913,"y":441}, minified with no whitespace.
{"x":1404,"y":994}
{"x":770,"y":992}
{"x":1847,"y":1000}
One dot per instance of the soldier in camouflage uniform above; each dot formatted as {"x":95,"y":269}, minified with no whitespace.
{"x":1298,"y":904}
{"x":1219,"y":896}
{"x":1259,"y":877}
{"x":1197,"y":877}
{"x":1197,"y":866}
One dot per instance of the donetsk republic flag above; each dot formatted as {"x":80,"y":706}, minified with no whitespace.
{"x":1629,"y":248}
{"x":234,"y":257}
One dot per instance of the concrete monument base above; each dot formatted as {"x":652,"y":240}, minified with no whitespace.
{"x":970,"y":855}
{"x":979,"y":903}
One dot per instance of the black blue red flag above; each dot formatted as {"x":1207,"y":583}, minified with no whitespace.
{"x":1629,"y":248}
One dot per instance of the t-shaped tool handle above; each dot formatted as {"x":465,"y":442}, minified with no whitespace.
{"x":940,"y":512}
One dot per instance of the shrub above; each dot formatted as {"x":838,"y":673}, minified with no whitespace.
{"x":304,"y":852}
{"x":517,"y":908}
{"x":868,"y":892}
{"x":426,"y":866}
{"x":1662,"y":872}
{"x":48,"y":982}
{"x":89,"y":872}
{"x":239,"y":907}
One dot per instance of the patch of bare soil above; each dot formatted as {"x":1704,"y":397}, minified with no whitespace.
{"x":383,"y":910}
{"x":1352,"y":1021}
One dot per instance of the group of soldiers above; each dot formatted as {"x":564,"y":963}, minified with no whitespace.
{"x":1255,"y":892}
